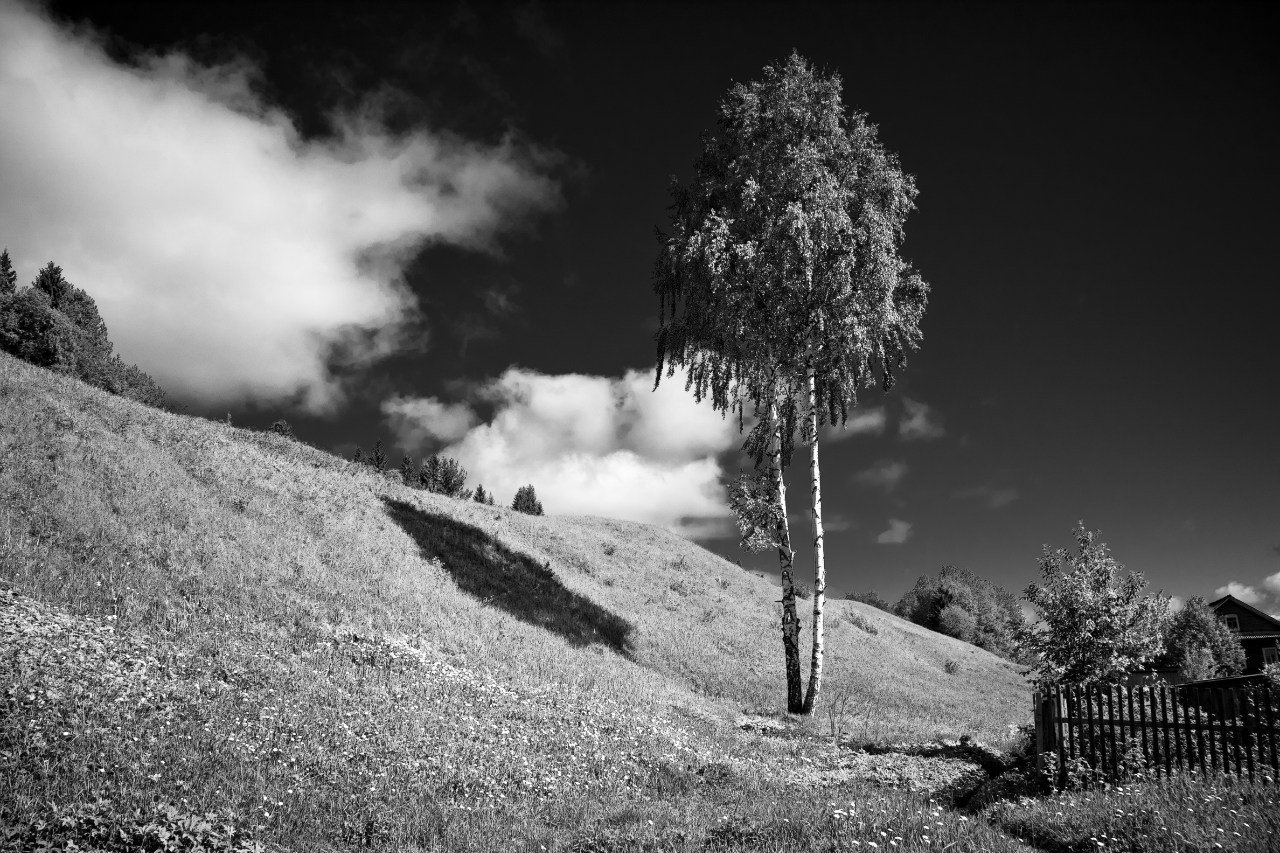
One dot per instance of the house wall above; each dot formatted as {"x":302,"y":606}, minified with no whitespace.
{"x":1248,"y":621}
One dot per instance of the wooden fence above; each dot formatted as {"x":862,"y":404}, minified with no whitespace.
{"x":1209,"y":730}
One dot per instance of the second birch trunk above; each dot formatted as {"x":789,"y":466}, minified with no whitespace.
{"x":790,"y":620}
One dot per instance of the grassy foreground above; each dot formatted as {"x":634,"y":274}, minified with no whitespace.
{"x":214,"y":638}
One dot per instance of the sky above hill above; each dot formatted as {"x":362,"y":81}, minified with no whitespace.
{"x":433,"y":224}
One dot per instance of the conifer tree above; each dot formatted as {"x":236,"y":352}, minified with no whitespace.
{"x":526,"y":501}
{"x":8,"y":275}
{"x":406,"y":471}
{"x":782,"y":292}
{"x":429,"y":474}
{"x":481,"y":496}
{"x":358,"y":456}
{"x":379,"y":458}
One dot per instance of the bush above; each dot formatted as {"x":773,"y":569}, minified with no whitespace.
{"x":858,"y":621}
{"x":444,"y":476}
{"x":956,"y":621}
{"x":951,"y":666}
{"x":870,"y":598}
{"x":281,"y":427}
{"x":526,"y":501}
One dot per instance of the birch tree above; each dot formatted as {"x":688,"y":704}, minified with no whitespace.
{"x":782,"y":291}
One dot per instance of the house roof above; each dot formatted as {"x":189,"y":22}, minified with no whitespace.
{"x":1216,"y":603}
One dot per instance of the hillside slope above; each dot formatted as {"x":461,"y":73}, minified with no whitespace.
{"x":299,"y":621}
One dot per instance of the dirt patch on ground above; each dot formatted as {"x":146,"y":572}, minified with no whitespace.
{"x":950,"y":771}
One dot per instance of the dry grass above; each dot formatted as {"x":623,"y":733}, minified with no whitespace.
{"x":234,"y":622}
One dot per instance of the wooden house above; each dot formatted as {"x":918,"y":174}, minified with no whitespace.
{"x":1259,"y":633}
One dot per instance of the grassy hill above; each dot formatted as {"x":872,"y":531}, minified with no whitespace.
{"x":232,"y":622}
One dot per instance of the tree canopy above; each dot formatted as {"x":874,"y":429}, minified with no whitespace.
{"x":1199,"y":645}
{"x":961,"y":604}
{"x":56,"y":325}
{"x":1095,"y":625}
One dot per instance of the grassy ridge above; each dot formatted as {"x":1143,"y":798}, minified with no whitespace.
{"x":237,"y":624}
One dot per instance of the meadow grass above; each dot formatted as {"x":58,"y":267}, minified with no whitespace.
{"x":224,"y":637}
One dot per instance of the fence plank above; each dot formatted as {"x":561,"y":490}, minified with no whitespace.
{"x":1142,"y":717}
{"x":1236,"y":733}
{"x":1164,"y":729}
{"x":1201,"y":746}
{"x":1058,"y":714}
{"x":1073,"y":710}
{"x":1111,"y":729}
{"x":1088,"y":732}
{"x":1247,"y":714}
{"x":1177,"y":732}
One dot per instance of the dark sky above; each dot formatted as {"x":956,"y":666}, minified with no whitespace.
{"x":1097,"y":218}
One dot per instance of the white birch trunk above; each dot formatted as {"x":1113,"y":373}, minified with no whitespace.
{"x":790,"y":620}
{"x":820,"y":568}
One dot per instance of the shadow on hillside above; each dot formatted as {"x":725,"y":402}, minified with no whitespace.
{"x":517,"y":583}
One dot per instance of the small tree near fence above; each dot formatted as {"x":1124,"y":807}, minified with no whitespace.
{"x":1095,"y":626}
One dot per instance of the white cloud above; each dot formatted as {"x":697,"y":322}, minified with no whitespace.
{"x":417,"y":422}
{"x":995,"y":497}
{"x":596,"y":445}
{"x":1244,"y":592}
{"x":886,"y":473}
{"x":861,"y":422}
{"x":1272,"y":583}
{"x":230,"y":257}
{"x":919,"y":421}
{"x":899,"y":531}
{"x":1176,"y":603}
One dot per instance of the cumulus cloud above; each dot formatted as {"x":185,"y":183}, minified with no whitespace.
{"x":231,"y":258}
{"x":1272,"y":584}
{"x":1244,"y":592}
{"x":861,"y":422}
{"x":418,"y":422}
{"x":899,"y":531}
{"x":597,"y":445}
{"x":993,"y":496}
{"x":1176,"y":603}
{"x":886,"y":473}
{"x":919,"y":421}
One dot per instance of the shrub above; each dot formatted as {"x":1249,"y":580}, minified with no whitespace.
{"x":526,"y":501}
{"x":444,"y":476}
{"x":857,"y":620}
{"x":870,"y":598}
{"x":281,"y":427}
{"x":956,"y":621}
{"x":804,"y":592}
{"x":951,"y":666}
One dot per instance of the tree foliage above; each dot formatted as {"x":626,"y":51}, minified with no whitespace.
{"x":444,"y":476}
{"x":961,"y":604}
{"x":56,"y":325}
{"x":526,"y":501}
{"x":378,"y":459}
{"x":783,"y":256}
{"x":8,"y":275}
{"x":1196,"y":639}
{"x":1096,"y":626}
{"x":482,"y":497}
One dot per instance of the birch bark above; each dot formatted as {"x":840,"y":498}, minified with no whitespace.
{"x":790,"y":620}
{"x":820,"y":568}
